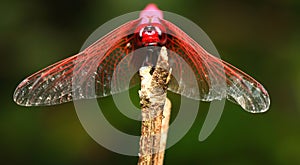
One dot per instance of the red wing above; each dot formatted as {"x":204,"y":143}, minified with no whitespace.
{"x":85,"y":75}
{"x":216,"y":78}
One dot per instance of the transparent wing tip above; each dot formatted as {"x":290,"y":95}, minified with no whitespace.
{"x":258,"y":101}
{"x":24,"y":96}
{"x":259,"y":107}
{"x":19,"y":98}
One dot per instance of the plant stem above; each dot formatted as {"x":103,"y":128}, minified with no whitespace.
{"x":155,"y":113}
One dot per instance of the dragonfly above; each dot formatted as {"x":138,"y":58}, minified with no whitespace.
{"x":53,"y":84}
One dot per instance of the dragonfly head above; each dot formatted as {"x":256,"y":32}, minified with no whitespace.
{"x":150,"y":35}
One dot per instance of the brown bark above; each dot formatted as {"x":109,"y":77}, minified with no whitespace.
{"x":155,"y":111}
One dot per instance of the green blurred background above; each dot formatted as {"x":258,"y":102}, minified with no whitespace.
{"x":259,"y":37}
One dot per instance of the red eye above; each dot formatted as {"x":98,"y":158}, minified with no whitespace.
{"x":150,"y":35}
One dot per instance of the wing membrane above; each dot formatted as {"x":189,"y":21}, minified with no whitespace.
{"x":216,"y":78}
{"x":91,"y":70}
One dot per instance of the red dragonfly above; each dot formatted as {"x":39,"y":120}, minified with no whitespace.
{"x":53,"y":85}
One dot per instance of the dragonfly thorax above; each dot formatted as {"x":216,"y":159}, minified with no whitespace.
{"x":150,"y":35}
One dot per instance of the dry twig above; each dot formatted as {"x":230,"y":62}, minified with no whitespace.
{"x":155,"y":111}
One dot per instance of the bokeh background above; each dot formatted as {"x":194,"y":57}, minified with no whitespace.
{"x":259,"y":37}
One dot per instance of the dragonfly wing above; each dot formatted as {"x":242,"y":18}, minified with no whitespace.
{"x":216,"y":78}
{"x":48,"y":86}
{"x":245,"y":91}
{"x":82,"y":76}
